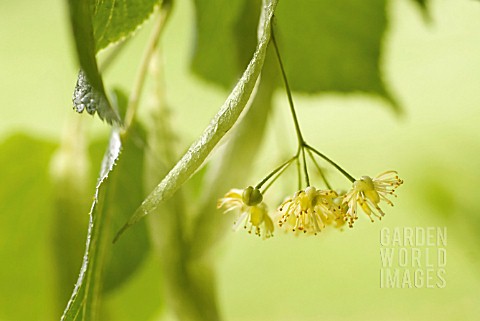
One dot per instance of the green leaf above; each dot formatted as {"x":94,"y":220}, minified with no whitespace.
{"x":333,"y":45}
{"x":218,"y":127}
{"x":114,"y":20}
{"x":231,"y":26}
{"x":86,"y":97}
{"x":327,"y":46}
{"x":89,"y":91}
{"x":125,"y":195}
{"x":140,"y":298}
{"x":119,"y":192}
{"x":96,"y":24}
{"x":81,"y":305}
{"x":26,"y":272}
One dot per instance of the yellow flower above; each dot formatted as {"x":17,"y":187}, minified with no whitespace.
{"x":368,"y":193}
{"x":310,"y":210}
{"x":252,"y":212}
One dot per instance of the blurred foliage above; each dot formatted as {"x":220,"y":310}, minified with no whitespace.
{"x":226,"y":36}
{"x":26,"y":221}
{"x":445,"y":191}
{"x":167,"y":264}
{"x":423,"y":4}
{"x":72,"y":182}
{"x":329,"y":45}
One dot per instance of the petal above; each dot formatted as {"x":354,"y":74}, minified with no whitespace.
{"x":256,"y":215}
{"x":240,"y":221}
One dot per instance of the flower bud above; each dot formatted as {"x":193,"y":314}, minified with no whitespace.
{"x":251,"y":196}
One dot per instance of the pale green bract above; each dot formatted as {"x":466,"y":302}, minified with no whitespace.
{"x":218,"y":127}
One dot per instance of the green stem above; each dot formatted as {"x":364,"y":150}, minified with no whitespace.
{"x":347,"y":175}
{"x":284,"y":164}
{"x":324,"y":178}
{"x":275,"y":178}
{"x":147,"y":57}
{"x":307,"y":179}
{"x":299,"y":172}
{"x":301,"y":141}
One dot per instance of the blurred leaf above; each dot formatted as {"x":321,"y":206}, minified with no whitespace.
{"x":114,"y":20}
{"x":26,"y":272}
{"x":231,"y":26}
{"x":140,"y":298}
{"x":333,"y":45}
{"x":119,"y":192}
{"x":439,"y":197}
{"x":327,"y":46}
{"x":89,"y":91}
{"x":422,"y":3}
{"x":70,"y":175}
{"x":219,"y":125}
{"x":424,"y":7}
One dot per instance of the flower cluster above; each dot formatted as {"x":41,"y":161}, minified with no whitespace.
{"x":310,"y":210}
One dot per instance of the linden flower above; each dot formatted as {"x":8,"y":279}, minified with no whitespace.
{"x":310,"y":210}
{"x":252,"y":212}
{"x":368,"y":192}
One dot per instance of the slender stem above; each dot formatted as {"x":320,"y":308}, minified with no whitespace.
{"x":301,"y":142}
{"x":275,"y":178}
{"x":299,"y":174}
{"x":324,"y":178}
{"x":347,"y":175}
{"x":307,"y":179}
{"x":259,"y":185}
{"x":147,"y":57}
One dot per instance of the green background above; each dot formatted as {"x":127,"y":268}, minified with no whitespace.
{"x":432,"y":68}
